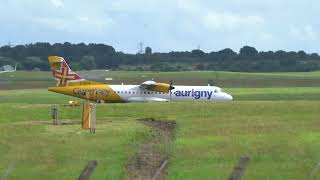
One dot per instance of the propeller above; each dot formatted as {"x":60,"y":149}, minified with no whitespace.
{"x":170,"y":88}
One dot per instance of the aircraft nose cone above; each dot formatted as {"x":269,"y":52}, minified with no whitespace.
{"x":229,"y":97}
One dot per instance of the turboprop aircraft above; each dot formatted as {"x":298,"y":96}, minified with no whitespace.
{"x":70,"y":83}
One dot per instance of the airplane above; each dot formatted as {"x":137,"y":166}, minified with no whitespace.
{"x":8,"y":69}
{"x":70,"y":83}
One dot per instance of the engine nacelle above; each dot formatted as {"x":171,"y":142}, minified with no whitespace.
{"x":160,"y":87}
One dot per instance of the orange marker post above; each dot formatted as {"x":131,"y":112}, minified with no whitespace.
{"x":86,"y":115}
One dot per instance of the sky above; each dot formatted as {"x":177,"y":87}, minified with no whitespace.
{"x":165,"y":25}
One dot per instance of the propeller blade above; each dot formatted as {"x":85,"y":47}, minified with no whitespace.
{"x":170,"y":88}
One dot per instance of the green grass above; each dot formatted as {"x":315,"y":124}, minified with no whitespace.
{"x":32,"y":148}
{"x":281,"y":138}
{"x":275,"y":122}
{"x":275,"y":94}
{"x":43,"y":96}
{"x":23,"y":80}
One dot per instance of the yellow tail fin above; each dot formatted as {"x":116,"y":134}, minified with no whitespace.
{"x":64,"y":76}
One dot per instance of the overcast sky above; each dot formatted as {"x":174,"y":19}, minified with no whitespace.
{"x":165,"y":25}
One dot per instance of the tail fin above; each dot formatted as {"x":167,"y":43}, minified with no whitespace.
{"x":64,"y":75}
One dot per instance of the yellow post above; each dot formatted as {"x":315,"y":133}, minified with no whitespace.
{"x":86,"y":115}
{"x":89,"y":115}
{"x":93,"y":118}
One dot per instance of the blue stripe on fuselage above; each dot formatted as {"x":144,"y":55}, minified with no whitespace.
{"x":195,"y":94}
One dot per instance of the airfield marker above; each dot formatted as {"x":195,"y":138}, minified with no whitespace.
{"x":93,"y":118}
{"x":239,"y":170}
{"x":86,"y":113}
{"x":89,"y":115}
{"x":88,"y":170}
{"x":54,"y":112}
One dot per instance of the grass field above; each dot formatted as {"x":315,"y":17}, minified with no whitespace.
{"x":22,"y":80}
{"x":277,"y":126}
{"x":239,"y":94}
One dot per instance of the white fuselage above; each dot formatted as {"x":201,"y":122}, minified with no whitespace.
{"x":134,"y":93}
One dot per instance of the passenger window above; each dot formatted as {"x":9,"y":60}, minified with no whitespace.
{"x":145,"y":92}
{"x":215,"y":91}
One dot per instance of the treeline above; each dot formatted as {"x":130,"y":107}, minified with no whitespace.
{"x":100,"y":56}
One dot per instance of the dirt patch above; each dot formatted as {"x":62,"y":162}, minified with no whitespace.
{"x":152,"y":157}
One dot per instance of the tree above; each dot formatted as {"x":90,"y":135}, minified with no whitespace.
{"x":302,"y":54}
{"x":75,"y":66}
{"x":247,"y":51}
{"x":197,"y":53}
{"x":226,"y":54}
{"x":82,"y":56}
{"x":148,"y":50}
{"x":88,"y":62}
{"x":31,"y":63}
{"x":314,"y":56}
{"x":200,"y":67}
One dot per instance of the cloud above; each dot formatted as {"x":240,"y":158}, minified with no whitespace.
{"x":188,"y":6}
{"x":266,"y":36}
{"x":80,"y":24}
{"x":306,"y":32}
{"x":165,"y":25}
{"x":57,"y":3}
{"x":227,"y":21}
{"x":309,"y":32}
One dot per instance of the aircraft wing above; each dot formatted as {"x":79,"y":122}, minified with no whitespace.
{"x":154,"y":86}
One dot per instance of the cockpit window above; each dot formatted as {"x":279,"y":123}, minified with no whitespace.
{"x":215,"y":91}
